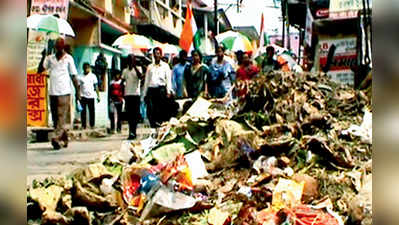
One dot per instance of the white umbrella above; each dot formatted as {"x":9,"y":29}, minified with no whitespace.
{"x":133,"y":41}
{"x":49,"y":23}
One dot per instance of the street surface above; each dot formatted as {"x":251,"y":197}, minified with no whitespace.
{"x":44,"y":161}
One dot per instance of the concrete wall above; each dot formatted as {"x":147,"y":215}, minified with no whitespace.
{"x":118,"y":9}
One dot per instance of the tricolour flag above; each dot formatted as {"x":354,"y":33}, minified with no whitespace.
{"x":262,"y":33}
{"x":189,"y":29}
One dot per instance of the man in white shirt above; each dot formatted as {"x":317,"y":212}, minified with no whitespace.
{"x":157,"y":88}
{"x":88,"y":92}
{"x":62,"y":71}
{"x":132,"y":77}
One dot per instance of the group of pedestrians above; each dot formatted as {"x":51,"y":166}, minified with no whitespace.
{"x":125,"y":90}
{"x":161,"y":84}
{"x":151,"y":84}
{"x":156,"y":85}
{"x":216,"y":79}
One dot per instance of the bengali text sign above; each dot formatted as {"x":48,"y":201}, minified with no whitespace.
{"x":36,"y":103}
{"x":50,"y":7}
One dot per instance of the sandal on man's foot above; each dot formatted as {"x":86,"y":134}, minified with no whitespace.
{"x":56,"y":145}
{"x":64,"y":144}
{"x":131,"y":137}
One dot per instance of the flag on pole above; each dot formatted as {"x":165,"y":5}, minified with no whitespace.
{"x":189,"y":29}
{"x":262,"y":33}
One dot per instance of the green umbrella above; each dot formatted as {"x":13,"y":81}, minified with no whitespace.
{"x":234,"y":41}
{"x":49,"y":23}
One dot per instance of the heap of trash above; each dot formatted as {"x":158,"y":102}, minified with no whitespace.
{"x":290,"y":149}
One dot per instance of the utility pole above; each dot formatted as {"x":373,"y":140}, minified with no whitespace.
{"x":206,"y":34}
{"x":216,"y":16}
{"x":283,"y":14}
{"x":288,"y":36}
{"x":288,"y":27}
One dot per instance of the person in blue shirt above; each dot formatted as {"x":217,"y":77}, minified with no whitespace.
{"x":178,"y":74}
{"x":222,"y":75}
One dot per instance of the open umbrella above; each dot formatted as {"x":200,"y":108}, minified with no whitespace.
{"x":49,"y":23}
{"x":234,"y":41}
{"x":170,"y":49}
{"x":133,"y":41}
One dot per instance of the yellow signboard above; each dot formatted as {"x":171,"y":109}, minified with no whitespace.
{"x":36,"y":103}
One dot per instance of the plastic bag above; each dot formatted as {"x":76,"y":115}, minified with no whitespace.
{"x":305,"y":215}
{"x":365,"y":130}
{"x":287,"y":194}
{"x":164,"y":200}
{"x":131,"y":181}
{"x":79,"y":107}
{"x":147,"y":182}
{"x":196,"y":165}
{"x":125,"y":154}
{"x":180,"y":171}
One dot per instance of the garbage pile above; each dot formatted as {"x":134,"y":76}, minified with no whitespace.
{"x":292,"y":150}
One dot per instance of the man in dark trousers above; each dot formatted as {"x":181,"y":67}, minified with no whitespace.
{"x":88,"y":92}
{"x":158,"y":89}
{"x":132,"y":76}
{"x":62,"y":71}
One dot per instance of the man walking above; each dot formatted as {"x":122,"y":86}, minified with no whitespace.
{"x":132,"y":77}
{"x":157,"y":88}
{"x":269,"y":63}
{"x":62,"y":71}
{"x":178,"y":74}
{"x":88,"y":92}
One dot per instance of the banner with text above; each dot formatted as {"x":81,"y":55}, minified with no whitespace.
{"x":345,"y":9}
{"x":50,"y":7}
{"x":344,"y":58}
{"x":309,"y":27}
{"x":36,"y":44}
{"x":36,"y":103}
